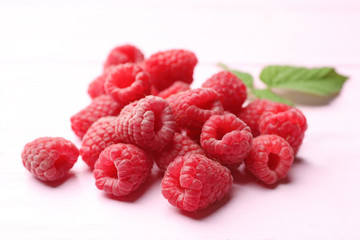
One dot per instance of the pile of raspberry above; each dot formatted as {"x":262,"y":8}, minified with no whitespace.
{"x":144,"y":111}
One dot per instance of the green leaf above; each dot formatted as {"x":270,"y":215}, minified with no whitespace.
{"x":321,"y":81}
{"x":245,"y":77}
{"x":268,"y":94}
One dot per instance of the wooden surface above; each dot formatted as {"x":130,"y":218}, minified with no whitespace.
{"x":50,"y":51}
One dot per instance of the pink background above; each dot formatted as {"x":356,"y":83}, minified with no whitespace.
{"x":49,"y":52}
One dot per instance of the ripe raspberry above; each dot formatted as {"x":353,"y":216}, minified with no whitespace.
{"x":96,"y":87}
{"x":193,"y":182}
{"x":100,"y":135}
{"x":126,"y":83}
{"x":170,"y":66}
{"x":252,"y":113}
{"x":124,"y":54}
{"x":193,"y":107}
{"x":121,"y":169}
{"x":179,"y":146}
{"x":148,"y":123}
{"x":194,"y":134}
{"x":153,"y":91}
{"x":101,"y":106}
{"x":226,"y":139}
{"x":49,"y":158}
{"x":176,"y":87}
{"x":270,"y":158}
{"x":231,"y":89}
{"x":287,"y":123}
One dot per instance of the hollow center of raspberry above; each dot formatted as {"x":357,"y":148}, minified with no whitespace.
{"x":273,"y":161}
{"x":110,"y":171}
{"x":207,"y":105}
{"x":124,"y":81}
{"x":220,"y":132}
{"x":158,"y":124}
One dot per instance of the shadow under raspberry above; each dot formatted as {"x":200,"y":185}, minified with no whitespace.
{"x":155,"y":177}
{"x":242,"y":176}
{"x":57,"y":183}
{"x":208,"y":211}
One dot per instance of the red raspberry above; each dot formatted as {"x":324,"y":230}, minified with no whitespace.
{"x":153,"y":91}
{"x":148,"y":123}
{"x":49,"y":158}
{"x":124,"y":54}
{"x":100,"y":135}
{"x":176,"y":87}
{"x":226,"y":139}
{"x":179,"y":146}
{"x":193,"y":182}
{"x":231,"y":89}
{"x":288,"y":123}
{"x":193,"y":107}
{"x":96,"y":87}
{"x":252,"y":113}
{"x":121,"y":169}
{"x":126,"y":83}
{"x":170,"y":66}
{"x":101,"y":106}
{"x":270,"y":158}
{"x":194,"y":134}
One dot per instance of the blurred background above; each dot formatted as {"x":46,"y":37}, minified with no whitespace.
{"x":260,"y":31}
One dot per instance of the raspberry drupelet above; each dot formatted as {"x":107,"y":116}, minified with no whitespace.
{"x":49,"y":158}
{"x":170,"y":66}
{"x":231,"y":89}
{"x":121,"y":169}
{"x":179,"y":146}
{"x":100,"y":135}
{"x":123,"y":54}
{"x":226,"y":139}
{"x":176,"y":87}
{"x":193,"y":107}
{"x":96,"y":87}
{"x":193,"y":182}
{"x":252,"y":113}
{"x":126,"y":83}
{"x":286,"y":122}
{"x":148,"y":123}
{"x":101,"y":106}
{"x":270,"y":158}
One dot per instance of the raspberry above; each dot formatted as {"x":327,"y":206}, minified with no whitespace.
{"x":194,"y":134}
{"x":121,"y":169}
{"x":193,"y":182}
{"x":126,"y":83}
{"x":179,"y":146}
{"x":49,"y":158}
{"x":226,"y":139}
{"x":288,"y":123}
{"x":148,"y":123}
{"x":193,"y":107}
{"x":100,"y":135}
{"x":176,"y":87}
{"x":124,"y":54}
{"x":231,"y":89}
{"x":270,"y":158}
{"x":96,"y":87}
{"x":252,"y":113}
{"x":170,"y":66}
{"x":101,"y":106}
{"x":153,"y":91}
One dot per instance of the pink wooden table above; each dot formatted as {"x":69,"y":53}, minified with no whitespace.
{"x":49,"y":52}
